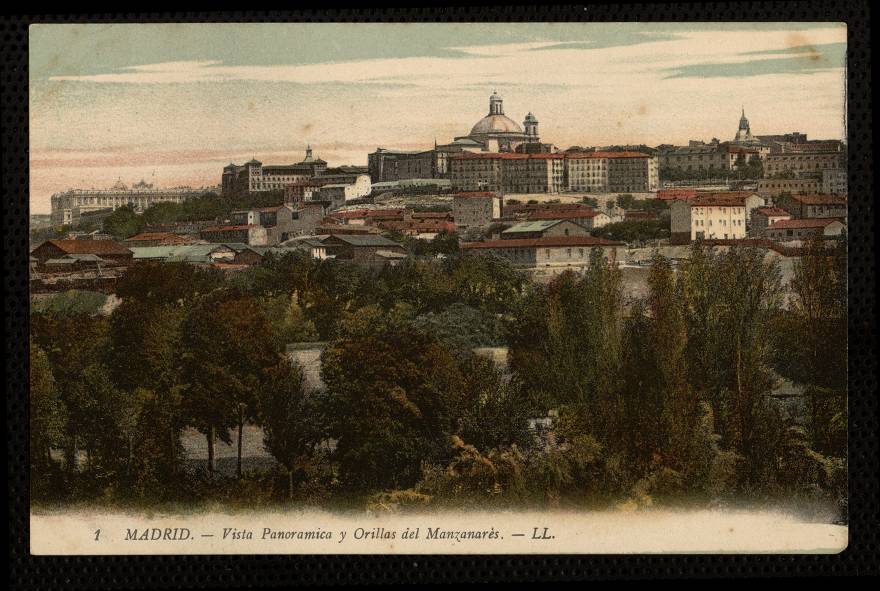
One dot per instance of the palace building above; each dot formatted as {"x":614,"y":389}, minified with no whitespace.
{"x":70,"y":206}
{"x":255,"y":177}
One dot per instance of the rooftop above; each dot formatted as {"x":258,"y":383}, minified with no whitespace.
{"x":363,"y":240}
{"x":726,"y":199}
{"x":98,"y":247}
{"x":772,"y":211}
{"x":565,"y":214}
{"x":803,"y":223}
{"x":532,"y":226}
{"x":829,"y":199}
{"x":627,"y":154}
{"x":545,"y":242}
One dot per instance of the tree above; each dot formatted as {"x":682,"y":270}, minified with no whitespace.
{"x":229,"y":350}
{"x":123,"y":223}
{"x":72,"y":302}
{"x":565,"y":342}
{"x":292,"y":421}
{"x":660,"y":407}
{"x":167,"y":283}
{"x":445,"y":243}
{"x":487,"y":282}
{"x":47,"y":410}
{"x":394,"y":398}
{"x":288,"y":318}
{"x":497,"y":411}
{"x":625,"y":201}
{"x":97,"y":411}
{"x":732,"y":299}
{"x":462,"y":327}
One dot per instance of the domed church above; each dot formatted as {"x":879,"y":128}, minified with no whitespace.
{"x":497,"y":132}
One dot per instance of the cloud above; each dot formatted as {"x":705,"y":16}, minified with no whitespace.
{"x":187,"y":115}
{"x":802,"y":59}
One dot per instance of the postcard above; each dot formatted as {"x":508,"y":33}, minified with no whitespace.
{"x":438,"y":288}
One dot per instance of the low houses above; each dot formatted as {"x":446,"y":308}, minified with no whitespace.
{"x":369,"y":249}
{"x":475,"y":210}
{"x":763,"y":217}
{"x":268,"y":226}
{"x":549,"y":251}
{"x":718,"y":216}
{"x":424,"y":229}
{"x":813,"y":206}
{"x":312,"y":245}
{"x":543,"y":228}
{"x":109,"y":251}
{"x":805,"y":229}
{"x":157,"y":239}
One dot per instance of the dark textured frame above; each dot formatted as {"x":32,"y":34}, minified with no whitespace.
{"x":862,"y":555}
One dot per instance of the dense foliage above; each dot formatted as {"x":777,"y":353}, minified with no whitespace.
{"x":673,"y":398}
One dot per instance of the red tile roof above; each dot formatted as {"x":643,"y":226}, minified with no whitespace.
{"x":829,"y":199}
{"x":418,"y":225}
{"x":545,"y":242}
{"x":230,"y":228}
{"x":672,"y":194}
{"x":772,"y":211}
{"x":583,"y":155}
{"x":562,"y":214}
{"x":97,"y":247}
{"x":468,"y":194}
{"x":425,"y":215}
{"x":491,"y":156}
{"x":802,"y":223}
{"x":726,"y":199}
{"x":152,"y":236}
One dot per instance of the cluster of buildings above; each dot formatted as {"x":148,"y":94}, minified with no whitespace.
{"x":789,"y":162}
{"x":329,"y":211}
{"x":500,"y":155}
{"x":77,"y":205}
{"x":738,"y":215}
{"x":305,"y":181}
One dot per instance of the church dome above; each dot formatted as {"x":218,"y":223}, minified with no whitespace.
{"x":495,"y":124}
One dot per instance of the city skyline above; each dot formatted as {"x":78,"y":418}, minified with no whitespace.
{"x":197,"y":97}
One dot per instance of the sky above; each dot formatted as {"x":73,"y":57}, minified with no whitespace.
{"x":174,"y":103}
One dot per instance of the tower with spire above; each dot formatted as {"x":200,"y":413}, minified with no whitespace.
{"x":744,"y":133}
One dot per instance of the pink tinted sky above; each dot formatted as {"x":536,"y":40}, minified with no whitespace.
{"x":173,"y":104}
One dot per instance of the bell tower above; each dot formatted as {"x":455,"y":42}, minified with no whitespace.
{"x":496,"y":106}
{"x":530,"y":124}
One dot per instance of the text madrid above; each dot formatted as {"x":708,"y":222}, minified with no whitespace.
{"x":376,"y":533}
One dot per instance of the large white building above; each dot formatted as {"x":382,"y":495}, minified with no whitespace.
{"x":713,"y":216}
{"x":68,"y":207}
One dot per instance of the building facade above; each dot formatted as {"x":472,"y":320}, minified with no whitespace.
{"x":764,"y":217}
{"x":475,"y":210}
{"x":255,"y":177}
{"x":814,"y":206}
{"x":774,"y":187}
{"x":72,"y":205}
{"x":551,"y":251}
{"x":718,"y":216}
{"x":803,"y":163}
{"x":805,"y":229}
